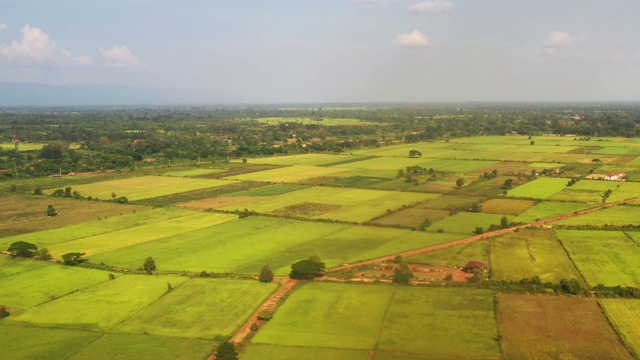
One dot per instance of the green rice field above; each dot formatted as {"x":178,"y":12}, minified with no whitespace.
{"x":603,"y":257}
{"x":625,"y":316}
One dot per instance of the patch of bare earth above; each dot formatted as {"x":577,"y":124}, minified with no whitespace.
{"x":306,"y":209}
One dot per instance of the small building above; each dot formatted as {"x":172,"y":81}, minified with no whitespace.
{"x":473,"y":265}
{"x":615,"y":176}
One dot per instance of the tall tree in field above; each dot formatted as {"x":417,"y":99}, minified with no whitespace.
{"x":51,"y":211}
{"x":266,"y":274}
{"x":22,"y":249}
{"x":459,"y":182}
{"x":149,"y":265}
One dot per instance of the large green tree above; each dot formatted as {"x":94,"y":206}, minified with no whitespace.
{"x":22,"y":249}
{"x":149,"y":265}
{"x":307,"y":269}
{"x":266,"y":274}
{"x":226,"y":351}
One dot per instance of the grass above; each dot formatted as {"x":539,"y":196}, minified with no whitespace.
{"x":603,"y":257}
{"x":507,"y":206}
{"x":90,"y":228}
{"x":449,"y":202}
{"x":541,"y":188}
{"x":549,"y":209}
{"x":200,"y":308}
{"x":192,"y":172}
{"x":412,"y":217}
{"x":343,"y":316}
{"x":329,"y":315}
{"x":20,"y":292}
{"x":618,"y":215}
{"x":557,"y":327}
{"x":290,"y":174}
{"x":624,"y":191}
{"x":460,"y":322}
{"x":105,"y":242}
{"x":455,"y":255}
{"x":269,"y":190}
{"x":585,"y":191}
{"x":144,"y":187}
{"x":129,"y":346}
{"x":529,"y":253}
{"x":466,"y":222}
{"x":266,"y":351}
{"x":625,"y":316}
{"x":34,"y":343}
{"x":25,"y":213}
{"x":306,"y":159}
{"x":98,"y":307}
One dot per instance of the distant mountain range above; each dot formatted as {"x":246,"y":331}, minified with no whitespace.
{"x":17,"y":94}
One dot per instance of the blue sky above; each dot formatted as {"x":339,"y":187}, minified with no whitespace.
{"x":332,"y":50}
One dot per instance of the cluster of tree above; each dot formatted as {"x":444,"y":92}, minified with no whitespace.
{"x":119,"y":138}
{"x":535,"y":286}
{"x":25,"y":249}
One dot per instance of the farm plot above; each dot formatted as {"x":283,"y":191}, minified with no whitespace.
{"x":618,"y":215}
{"x":413,"y":217}
{"x":623,"y":191}
{"x":304,"y":159}
{"x":199,"y":308}
{"x":625,"y":316}
{"x":192,"y":172}
{"x":329,"y":315}
{"x":467,"y":222}
{"x":541,"y":188}
{"x":265,"y":351}
{"x":460,"y":322}
{"x":96,"y":244}
{"x":449,"y":202}
{"x":98,"y":307}
{"x":542,"y":327}
{"x":250,"y":243}
{"x":454,"y":256}
{"x":529,"y":253}
{"x":129,"y":346}
{"x":290,"y":174}
{"x":90,"y":228}
{"x":549,"y":209}
{"x":144,"y":187}
{"x":603,"y":257}
{"x":23,"y":291}
{"x":22,"y":214}
{"x":33,"y":343}
{"x":12,"y":266}
{"x":387,"y":163}
{"x":343,"y":316}
{"x":245,"y":244}
{"x":507,"y":206}
{"x":585,"y":191}
{"x":356,"y":205}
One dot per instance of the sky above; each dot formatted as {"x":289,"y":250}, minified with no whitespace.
{"x":331,"y":50}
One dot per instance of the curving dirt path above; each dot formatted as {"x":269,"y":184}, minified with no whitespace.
{"x":288,"y":284}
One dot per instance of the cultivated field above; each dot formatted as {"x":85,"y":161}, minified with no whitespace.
{"x":144,"y":187}
{"x":530,"y":253}
{"x":543,"y":327}
{"x":625,"y":316}
{"x":603,"y":257}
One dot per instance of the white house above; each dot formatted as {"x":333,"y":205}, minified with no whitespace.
{"x":615,"y":176}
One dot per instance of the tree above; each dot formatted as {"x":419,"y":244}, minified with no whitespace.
{"x":266,"y":274}
{"x":415,"y":153}
{"x":460,"y":182}
{"x":149,"y":265}
{"x":3,"y":312}
{"x":22,"y":249}
{"x":402,"y":274}
{"x":37,"y":191}
{"x":67,"y":192}
{"x":43,"y":254}
{"x":504,"y":222}
{"x":73,"y":258}
{"x":307,"y":269}
{"x":226,"y":351}
{"x":508,"y":184}
{"x":51,"y":211}
{"x":479,"y":230}
{"x":532,"y":142}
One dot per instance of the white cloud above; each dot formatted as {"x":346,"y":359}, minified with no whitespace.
{"x":367,"y":2}
{"x":432,"y":7}
{"x":35,"y":47}
{"x":559,"y":39}
{"x":119,"y":57}
{"x":413,"y":39}
{"x":3,"y":27}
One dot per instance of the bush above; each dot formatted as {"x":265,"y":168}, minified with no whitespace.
{"x":265,"y":315}
{"x":266,"y":274}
